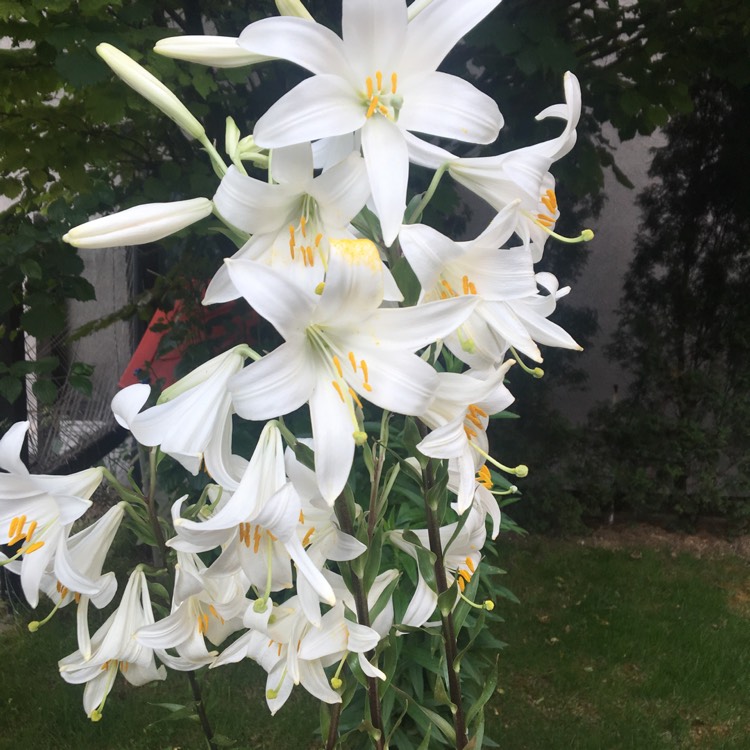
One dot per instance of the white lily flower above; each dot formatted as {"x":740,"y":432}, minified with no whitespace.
{"x":35,"y":510}
{"x":197,"y":613}
{"x":114,"y":648}
{"x":292,"y":218}
{"x":510,"y":310}
{"x":140,"y":224}
{"x":151,"y":88}
{"x":460,"y":559}
{"x":192,"y":421}
{"x":458,"y":416}
{"x":216,"y":51}
{"x":257,"y":523}
{"x":338,"y":348}
{"x":521,"y":175}
{"x":77,"y":573}
{"x":380,"y":78}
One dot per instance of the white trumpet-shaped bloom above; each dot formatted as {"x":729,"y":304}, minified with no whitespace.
{"x":461,"y":559}
{"x":192,"y":421}
{"x":339,"y":348}
{"x":292,"y":218}
{"x":77,"y":575}
{"x":458,"y":416}
{"x":521,"y":175}
{"x":115,"y":648}
{"x":257,"y":524}
{"x":510,"y":310}
{"x":35,"y":510}
{"x":380,"y":78}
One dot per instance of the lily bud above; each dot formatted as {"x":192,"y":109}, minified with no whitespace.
{"x":216,"y":51}
{"x":151,"y":88}
{"x":293,"y":8}
{"x":140,"y":224}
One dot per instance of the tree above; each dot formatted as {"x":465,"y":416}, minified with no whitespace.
{"x":684,"y":331}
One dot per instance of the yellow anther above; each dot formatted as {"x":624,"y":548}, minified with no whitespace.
{"x":256,"y":540}
{"x":353,"y":361}
{"x":33,"y":548}
{"x":545,"y":220}
{"x":373,"y":106}
{"x":273,"y":538}
{"x":318,"y":238}
{"x":370,"y":89}
{"x":337,"y":364}
{"x":472,"y":288}
{"x":383,"y":110}
{"x":31,"y":530}
{"x":549,"y":199}
{"x":278,"y":649}
{"x":14,"y":524}
{"x":464,"y":574}
{"x":355,"y":398}
{"x":365,"y":373}
{"x":310,"y":255}
{"x":461,"y":584}
{"x":303,"y":225}
{"x":465,"y":282}
{"x":338,"y":390}
{"x":77,"y":597}
{"x":301,"y":517}
{"x":448,"y":288}
{"x":469,"y":432}
{"x":484,"y":477}
{"x":469,"y":562}
{"x":477,"y":410}
{"x":474,"y":420}
{"x":379,"y":79}
{"x":394,"y":82}
{"x":306,"y":538}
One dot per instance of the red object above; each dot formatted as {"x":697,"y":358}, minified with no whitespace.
{"x":148,"y":365}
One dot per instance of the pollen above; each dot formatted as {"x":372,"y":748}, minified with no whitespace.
{"x":545,"y":220}
{"x":469,"y":562}
{"x":337,"y":365}
{"x":353,"y":361}
{"x":394,"y":82}
{"x":355,"y":398}
{"x":307,"y":537}
{"x":549,"y":199}
{"x":335,"y":384}
{"x":484,"y":478}
{"x":303,"y":225}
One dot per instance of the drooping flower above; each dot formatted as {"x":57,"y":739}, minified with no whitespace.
{"x":199,"y":610}
{"x":510,"y":310}
{"x":77,"y":572}
{"x":516,"y":176}
{"x":192,"y":421}
{"x":337,"y":349}
{"x":461,"y":559}
{"x":35,"y":510}
{"x":380,"y":78}
{"x":257,"y":524}
{"x":114,"y":648}
{"x":458,"y":418}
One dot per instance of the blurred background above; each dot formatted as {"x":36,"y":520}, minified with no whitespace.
{"x":651,"y":421}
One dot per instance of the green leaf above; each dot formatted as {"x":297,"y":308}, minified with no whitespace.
{"x":10,"y":388}
{"x":45,"y":391}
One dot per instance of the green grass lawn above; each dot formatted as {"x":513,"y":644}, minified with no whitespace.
{"x":610,"y":649}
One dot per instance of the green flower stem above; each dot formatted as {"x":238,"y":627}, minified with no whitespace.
{"x":363,"y":617}
{"x":427,"y":197}
{"x":379,"y":460}
{"x":201,"y":709}
{"x":449,"y":631}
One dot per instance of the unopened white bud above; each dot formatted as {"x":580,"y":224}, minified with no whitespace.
{"x":151,"y":88}
{"x":216,"y":51}
{"x":140,"y":224}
